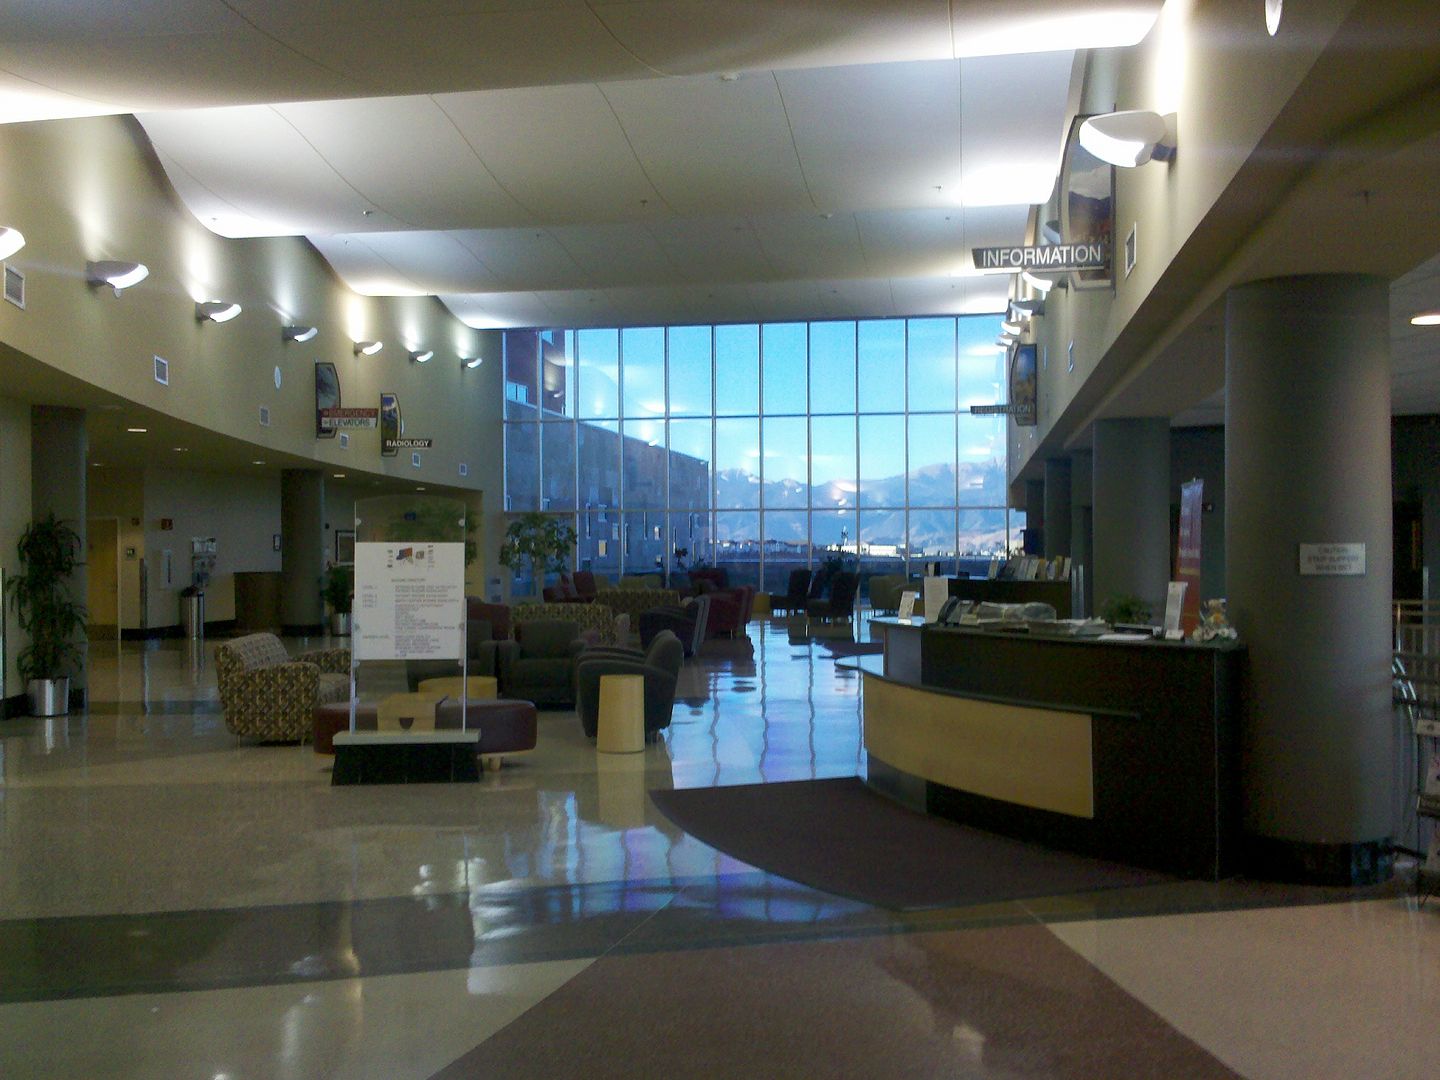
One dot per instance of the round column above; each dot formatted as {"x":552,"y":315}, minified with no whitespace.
{"x":1307,"y":461}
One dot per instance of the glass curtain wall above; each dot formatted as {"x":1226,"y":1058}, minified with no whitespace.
{"x":762,"y":448}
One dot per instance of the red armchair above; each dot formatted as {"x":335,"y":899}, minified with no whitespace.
{"x":730,"y":611}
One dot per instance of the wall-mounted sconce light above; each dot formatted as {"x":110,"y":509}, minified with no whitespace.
{"x":1129,"y":139}
{"x":1043,"y":284}
{"x":1012,"y":328}
{"x":1273,"y":10}
{"x":117,"y":273}
{"x":298,"y":333}
{"x":368,"y":348}
{"x":422,"y":356}
{"x":11,"y":241}
{"x":1024,"y":309}
{"x":215,"y":310}
{"x":471,"y":361}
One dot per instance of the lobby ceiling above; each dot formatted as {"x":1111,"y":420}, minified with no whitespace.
{"x":561,"y":162}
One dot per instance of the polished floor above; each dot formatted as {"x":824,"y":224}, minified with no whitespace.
{"x":178,"y":903}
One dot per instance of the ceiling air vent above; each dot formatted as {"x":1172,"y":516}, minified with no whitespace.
{"x":14,"y":286}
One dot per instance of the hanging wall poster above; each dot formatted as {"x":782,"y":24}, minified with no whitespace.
{"x":1187,"y":562}
{"x":389,"y":424}
{"x":327,"y":396}
{"x":1022,"y":385}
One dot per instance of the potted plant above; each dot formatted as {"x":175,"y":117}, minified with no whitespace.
{"x":1125,"y":608}
{"x":339,"y":592}
{"x":543,"y":541}
{"x":40,"y":597}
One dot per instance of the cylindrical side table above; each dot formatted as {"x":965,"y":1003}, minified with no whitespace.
{"x":621,"y":728}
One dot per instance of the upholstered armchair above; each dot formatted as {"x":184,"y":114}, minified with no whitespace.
{"x":730,"y":610}
{"x":539,"y":665}
{"x":596,"y":620}
{"x":687,"y":621}
{"x":797,"y":591}
{"x":659,"y":664}
{"x":840,"y":604}
{"x":269,"y":696}
{"x":885,"y":590}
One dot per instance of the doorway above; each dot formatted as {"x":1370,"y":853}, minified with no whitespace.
{"x":102,"y":592}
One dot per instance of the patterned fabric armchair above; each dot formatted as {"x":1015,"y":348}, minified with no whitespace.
{"x":598,"y":617}
{"x":269,"y":696}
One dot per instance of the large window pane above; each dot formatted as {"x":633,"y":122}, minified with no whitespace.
{"x":882,"y":461}
{"x":880,"y":351}
{"x":557,"y":375}
{"x":982,"y":460}
{"x":932,"y":365}
{"x":737,"y":546}
{"x":833,"y":532}
{"x":521,"y":349}
{"x":982,"y":534}
{"x":832,"y":367}
{"x":932,"y":460}
{"x":981,"y":361}
{"x":737,"y":370}
{"x":522,"y":466}
{"x":689,"y":370}
{"x":783,"y":362}
{"x":932,"y":539}
{"x":786,"y":463}
{"x":598,"y":368}
{"x":558,"y":442}
{"x":737,"y":464}
{"x":882,"y":543}
{"x":1015,"y":531}
{"x":599,"y":544}
{"x":643,"y":354}
{"x":787,"y":546}
{"x":644,"y":465}
{"x":643,"y":535}
{"x":832,"y":461}
{"x":598,"y":455}
{"x":690,"y":531}
{"x":690,"y":464}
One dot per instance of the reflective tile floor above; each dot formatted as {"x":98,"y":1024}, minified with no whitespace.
{"x":175,"y":902}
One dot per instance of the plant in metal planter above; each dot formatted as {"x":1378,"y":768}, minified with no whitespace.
{"x":339,"y":592}
{"x":544,"y":541}
{"x":40,"y":597}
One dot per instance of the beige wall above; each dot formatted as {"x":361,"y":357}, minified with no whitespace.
{"x":14,"y":516}
{"x":91,"y":189}
{"x":120,"y":493}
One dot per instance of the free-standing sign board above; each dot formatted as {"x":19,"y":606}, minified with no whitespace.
{"x":409,"y":601}
{"x":1192,"y":502}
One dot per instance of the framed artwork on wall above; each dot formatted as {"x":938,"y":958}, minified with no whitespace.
{"x":344,"y":545}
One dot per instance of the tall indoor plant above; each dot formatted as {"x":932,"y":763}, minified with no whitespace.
{"x":544,"y":541}
{"x":54,"y":621}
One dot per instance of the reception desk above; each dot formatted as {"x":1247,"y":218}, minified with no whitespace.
{"x":1124,"y":750}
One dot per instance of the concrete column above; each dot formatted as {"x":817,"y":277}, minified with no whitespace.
{"x":302,"y":564}
{"x":1082,"y":500}
{"x":1034,"y":517}
{"x":1131,"y":486}
{"x":59,"y":449}
{"x":1307,"y":461}
{"x":1057,"y":507}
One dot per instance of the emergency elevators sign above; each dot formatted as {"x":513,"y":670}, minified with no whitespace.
{"x":1046,"y":257}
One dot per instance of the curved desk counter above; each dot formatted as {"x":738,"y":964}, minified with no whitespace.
{"x":1124,"y":750}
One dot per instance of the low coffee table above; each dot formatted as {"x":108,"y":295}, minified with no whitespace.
{"x":507,"y":725}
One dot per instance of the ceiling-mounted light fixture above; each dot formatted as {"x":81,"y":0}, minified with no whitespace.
{"x":1129,"y":139}
{"x":298,"y":333}
{"x":422,"y":357}
{"x":1042,"y":284}
{"x":1273,"y":10}
{"x":1425,"y":318}
{"x":117,"y":273}
{"x":368,"y":348}
{"x":216,"y":310}
{"x":11,"y":241}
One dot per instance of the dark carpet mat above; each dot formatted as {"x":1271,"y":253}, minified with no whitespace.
{"x":841,"y":837}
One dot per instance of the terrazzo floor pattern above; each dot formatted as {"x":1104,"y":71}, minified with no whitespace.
{"x":175,"y":902}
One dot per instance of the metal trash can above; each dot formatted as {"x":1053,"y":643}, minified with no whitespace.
{"x":192,"y":612}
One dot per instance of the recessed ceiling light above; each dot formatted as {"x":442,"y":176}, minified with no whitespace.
{"x":137,"y":430}
{"x":338,"y":475}
{"x":97,"y":465}
{"x":1425,"y":318}
{"x":181,"y":449}
{"x":257,"y":463}
{"x":419,"y":487}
